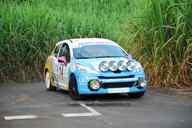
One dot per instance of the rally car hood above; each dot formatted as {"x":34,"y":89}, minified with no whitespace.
{"x":94,"y":62}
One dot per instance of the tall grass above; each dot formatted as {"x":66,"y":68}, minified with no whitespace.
{"x":159,"y":33}
{"x":162,"y":34}
{"x":30,"y":28}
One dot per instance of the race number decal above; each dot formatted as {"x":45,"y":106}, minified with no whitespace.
{"x":61,"y":70}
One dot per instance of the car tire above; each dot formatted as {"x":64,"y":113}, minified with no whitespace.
{"x":73,"y":92}
{"x":136,"y":95}
{"x":48,"y":84}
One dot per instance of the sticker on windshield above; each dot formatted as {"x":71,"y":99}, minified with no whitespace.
{"x":79,"y":45}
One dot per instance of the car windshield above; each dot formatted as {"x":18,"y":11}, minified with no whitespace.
{"x":98,"y":51}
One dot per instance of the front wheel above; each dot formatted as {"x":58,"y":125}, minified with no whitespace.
{"x":136,"y":95}
{"x":48,"y":83}
{"x":73,"y":92}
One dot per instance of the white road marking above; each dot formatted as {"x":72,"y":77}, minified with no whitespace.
{"x":77,"y":114}
{"x":92,"y":112}
{"x":20,"y":117}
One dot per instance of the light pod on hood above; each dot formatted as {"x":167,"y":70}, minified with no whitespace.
{"x":104,"y":66}
{"x":113,"y":66}
{"x":122,"y":65}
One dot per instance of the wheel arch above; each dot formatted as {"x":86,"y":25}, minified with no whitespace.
{"x":72,"y":75}
{"x":45,"y":71}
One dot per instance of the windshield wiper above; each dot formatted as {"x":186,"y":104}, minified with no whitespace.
{"x":98,"y":57}
{"x":83,"y":57}
{"x":106,"y":56}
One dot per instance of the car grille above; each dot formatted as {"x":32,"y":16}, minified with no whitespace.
{"x":115,"y":77}
{"x":119,"y":84}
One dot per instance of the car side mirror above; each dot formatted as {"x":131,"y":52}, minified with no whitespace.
{"x":129,"y":56}
{"x":62,"y":59}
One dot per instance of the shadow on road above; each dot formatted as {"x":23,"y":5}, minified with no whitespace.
{"x":102,"y":100}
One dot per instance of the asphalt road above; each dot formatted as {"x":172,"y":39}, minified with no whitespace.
{"x":31,"y":106}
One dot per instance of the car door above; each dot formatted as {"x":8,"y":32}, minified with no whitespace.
{"x":64,"y":53}
{"x":55,"y":63}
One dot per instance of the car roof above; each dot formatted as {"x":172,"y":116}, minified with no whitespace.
{"x":83,"y":41}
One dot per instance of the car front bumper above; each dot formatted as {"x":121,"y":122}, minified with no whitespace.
{"x":111,"y":83}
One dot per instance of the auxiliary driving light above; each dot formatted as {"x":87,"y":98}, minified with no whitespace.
{"x":122,"y":65}
{"x":94,"y":85}
{"x":113,"y":66}
{"x":134,"y":66}
{"x":104,"y":66}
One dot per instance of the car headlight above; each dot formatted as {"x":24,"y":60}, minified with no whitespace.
{"x":134,"y":66}
{"x":113,"y":66}
{"x":142,"y":82}
{"x":104,"y":66}
{"x":122,"y":65}
{"x":83,"y":68}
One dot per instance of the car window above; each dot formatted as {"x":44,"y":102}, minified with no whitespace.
{"x":64,"y":51}
{"x":67,"y":53}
